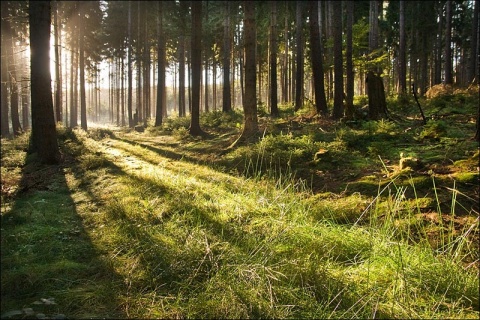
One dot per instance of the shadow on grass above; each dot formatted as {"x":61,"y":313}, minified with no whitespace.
{"x":48,"y":255}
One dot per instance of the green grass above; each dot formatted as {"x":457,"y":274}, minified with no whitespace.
{"x":303,"y":224}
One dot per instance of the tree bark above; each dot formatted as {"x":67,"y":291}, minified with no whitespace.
{"x":227,"y":101}
{"x":196,"y":54}
{"x":338,"y":108}
{"x":349,"y":110}
{"x":83,"y":102}
{"x":44,"y":134}
{"x":273,"y":60}
{"x":317,"y":60}
{"x":377,"y":104}
{"x":250,"y":122}
{"x":129,"y":68}
{"x":402,"y":63}
{"x":448,"y":44}
{"x":161,"y":66}
{"x":299,"y":72}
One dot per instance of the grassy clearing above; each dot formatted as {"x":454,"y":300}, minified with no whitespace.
{"x":307,"y":223}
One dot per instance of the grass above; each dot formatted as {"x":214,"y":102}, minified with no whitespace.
{"x":304,"y":224}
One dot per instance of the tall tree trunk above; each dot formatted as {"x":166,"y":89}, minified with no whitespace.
{"x":273,"y":60}
{"x":58,"y":82}
{"x":5,"y":130}
{"x":129,"y":68}
{"x":44,"y":134}
{"x":227,"y":101}
{"x":83,"y":102}
{"x":161,"y":66}
{"x":12,"y":71}
{"x":349,"y":110}
{"x":438,"y":45}
{"x":316,"y":60}
{"x":181,"y":61}
{"x":73,"y":82}
{"x":196,"y":54}
{"x":377,"y":104}
{"x":402,"y":62}
{"x":338,"y":60}
{"x":448,"y":44}
{"x":285,"y":59}
{"x":300,"y":72}
{"x":139,"y":105}
{"x":250,"y":122}
{"x":146,"y":67}
{"x":474,"y":45}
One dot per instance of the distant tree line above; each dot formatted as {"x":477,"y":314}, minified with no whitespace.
{"x":317,"y":54}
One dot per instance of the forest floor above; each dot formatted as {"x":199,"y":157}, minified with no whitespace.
{"x":318,"y":219}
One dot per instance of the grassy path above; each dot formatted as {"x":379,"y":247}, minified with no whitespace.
{"x":132,"y":229}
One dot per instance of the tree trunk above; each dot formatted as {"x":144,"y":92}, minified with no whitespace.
{"x":250,"y":122}
{"x":474,"y":46}
{"x":12,"y":71}
{"x":349,"y":110}
{"x":58,"y":82}
{"x":196,"y":54}
{"x":181,"y":60}
{"x":273,"y":60}
{"x":300,"y":72}
{"x":317,"y":60}
{"x":83,"y":102}
{"x":448,"y":44}
{"x":338,"y":60}
{"x":161,"y":66}
{"x":402,"y":63}
{"x":5,"y":130}
{"x":227,"y":101}
{"x":377,"y":104}
{"x":129,"y":68}
{"x":44,"y":134}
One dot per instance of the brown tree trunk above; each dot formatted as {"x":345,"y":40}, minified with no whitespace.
{"x":227,"y":101}
{"x":273,"y":60}
{"x":250,"y":122}
{"x":317,"y":60}
{"x":161,"y":66}
{"x":299,"y":55}
{"x":44,"y":134}
{"x":196,"y":54}
{"x":349,"y":110}
{"x":338,"y":108}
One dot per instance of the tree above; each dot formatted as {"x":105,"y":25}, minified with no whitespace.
{"x":316,"y":54}
{"x":161,"y":66}
{"x":349,"y":111}
{"x":44,"y":135}
{"x":474,"y":44}
{"x":338,"y":60}
{"x":181,"y":59}
{"x":83,"y":102}
{"x":5,"y":131}
{"x":250,"y":120}
{"x":300,"y":72}
{"x":273,"y":60}
{"x":58,"y":83}
{"x":129,"y":69}
{"x":402,"y":63}
{"x":448,"y":44}
{"x":377,"y":104}
{"x":227,"y":102}
{"x":196,"y":57}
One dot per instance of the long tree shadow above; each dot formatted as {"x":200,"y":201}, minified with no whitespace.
{"x":49,"y":264}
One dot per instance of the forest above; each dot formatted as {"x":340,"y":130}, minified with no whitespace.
{"x":240,"y":159}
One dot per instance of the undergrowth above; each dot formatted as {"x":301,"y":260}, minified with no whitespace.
{"x":131,"y":226}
